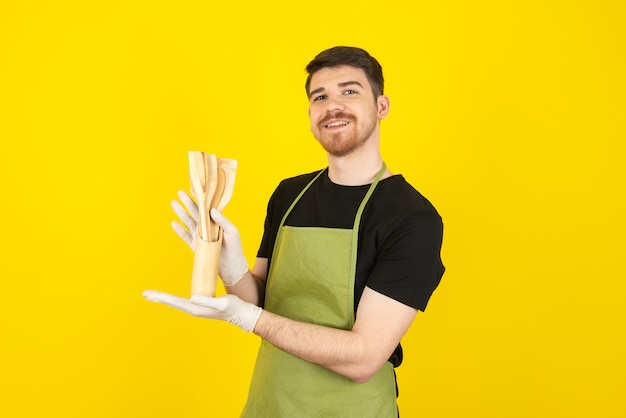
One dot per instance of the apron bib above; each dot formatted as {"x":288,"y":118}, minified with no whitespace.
{"x":311,"y":279}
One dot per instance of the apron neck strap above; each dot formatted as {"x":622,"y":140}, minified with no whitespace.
{"x":361,"y":207}
{"x":357,"y":219}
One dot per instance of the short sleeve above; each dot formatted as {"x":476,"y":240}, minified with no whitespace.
{"x":408,"y":266}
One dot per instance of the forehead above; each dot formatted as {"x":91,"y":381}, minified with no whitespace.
{"x":331,"y":76}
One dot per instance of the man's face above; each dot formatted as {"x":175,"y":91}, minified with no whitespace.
{"x":343,"y":111}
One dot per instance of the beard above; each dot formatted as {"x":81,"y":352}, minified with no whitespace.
{"x":346,"y":141}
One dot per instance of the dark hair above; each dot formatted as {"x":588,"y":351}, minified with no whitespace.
{"x":352,"y":56}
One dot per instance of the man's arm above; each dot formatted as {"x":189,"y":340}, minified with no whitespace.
{"x":358,"y":353}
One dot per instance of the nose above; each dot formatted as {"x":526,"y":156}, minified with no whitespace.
{"x":334,"y":103}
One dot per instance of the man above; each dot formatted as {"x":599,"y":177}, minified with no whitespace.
{"x":348,"y":257}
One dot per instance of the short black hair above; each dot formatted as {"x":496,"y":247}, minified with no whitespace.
{"x":352,"y":56}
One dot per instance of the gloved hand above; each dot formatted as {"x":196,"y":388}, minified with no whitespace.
{"x":190,"y":220}
{"x":233,"y":265}
{"x":226,"y":308}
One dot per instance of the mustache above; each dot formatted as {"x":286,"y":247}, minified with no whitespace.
{"x":337,"y":115}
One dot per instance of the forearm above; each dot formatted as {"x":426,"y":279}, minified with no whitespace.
{"x":345,"y":352}
{"x":249,"y":288}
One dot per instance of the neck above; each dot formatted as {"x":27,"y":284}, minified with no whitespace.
{"x":357,"y":168}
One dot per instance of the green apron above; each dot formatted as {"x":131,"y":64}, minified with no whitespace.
{"x":311,"y":279}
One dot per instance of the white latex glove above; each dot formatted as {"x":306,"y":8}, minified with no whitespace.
{"x":190,"y":220}
{"x":233,"y":264}
{"x":226,"y":308}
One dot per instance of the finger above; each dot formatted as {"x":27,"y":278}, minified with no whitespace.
{"x":209,"y":302}
{"x":162,"y":297}
{"x":184,"y":217}
{"x":189,"y":204}
{"x":182,"y":233}
{"x":173,"y":301}
{"x":222,"y":221}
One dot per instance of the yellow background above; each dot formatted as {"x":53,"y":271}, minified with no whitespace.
{"x":508,"y":115}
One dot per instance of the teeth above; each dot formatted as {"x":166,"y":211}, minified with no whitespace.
{"x":339,"y":123}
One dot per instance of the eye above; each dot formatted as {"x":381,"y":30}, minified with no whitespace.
{"x":318,"y":98}
{"x":347,"y":92}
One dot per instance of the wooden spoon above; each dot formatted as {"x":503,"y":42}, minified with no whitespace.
{"x":197,"y":176}
{"x":210,"y":164}
{"x":230,"y":170}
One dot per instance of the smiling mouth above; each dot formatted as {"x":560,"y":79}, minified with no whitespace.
{"x":336,"y":124}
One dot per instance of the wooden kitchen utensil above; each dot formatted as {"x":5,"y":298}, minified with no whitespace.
{"x":212,"y":183}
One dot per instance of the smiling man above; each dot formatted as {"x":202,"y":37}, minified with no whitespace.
{"x":349,"y":255}
{"x":334,"y":107}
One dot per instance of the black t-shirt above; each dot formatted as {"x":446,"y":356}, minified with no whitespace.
{"x":399,"y":235}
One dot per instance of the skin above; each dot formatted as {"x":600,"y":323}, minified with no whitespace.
{"x":345,"y":119}
{"x":344,"y":95}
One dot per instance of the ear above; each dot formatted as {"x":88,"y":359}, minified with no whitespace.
{"x":383,"y":106}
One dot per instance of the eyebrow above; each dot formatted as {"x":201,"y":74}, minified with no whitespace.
{"x":344,"y":84}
